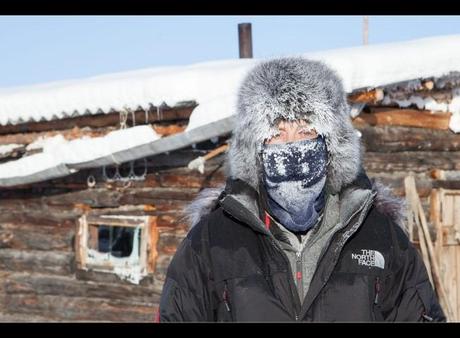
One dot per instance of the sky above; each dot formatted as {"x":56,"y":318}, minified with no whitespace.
{"x":38,"y":49}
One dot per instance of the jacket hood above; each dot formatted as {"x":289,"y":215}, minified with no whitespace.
{"x":293,"y":88}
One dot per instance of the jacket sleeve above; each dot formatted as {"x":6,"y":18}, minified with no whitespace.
{"x":416,"y":299}
{"x":186,"y":295}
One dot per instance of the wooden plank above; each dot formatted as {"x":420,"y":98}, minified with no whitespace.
{"x":437,"y":278}
{"x":153,"y":244}
{"x":397,"y":139}
{"x":457,"y":282}
{"x":68,"y":134}
{"x":425,"y":239}
{"x":78,"y":308}
{"x":456,"y":217}
{"x":446,"y":184}
{"x":35,"y":237}
{"x":169,"y":129}
{"x":53,"y":262}
{"x":113,"y":220}
{"x":26,"y":210}
{"x":448,"y":209}
{"x":93,"y":239}
{"x":435,"y":217}
{"x":100,"y":120}
{"x":24,"y":318}
{"x":406,"y":117}
{"x":395,"y":181}
{"x":416,"y":161}
{"x":102,"y":197}
{"x":371,"y":96}
{"x":42,"y":284}
{"x":79,"y":250}
{"x":452,"y":278}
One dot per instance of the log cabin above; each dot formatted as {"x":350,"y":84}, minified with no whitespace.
{"x":95,"y":173}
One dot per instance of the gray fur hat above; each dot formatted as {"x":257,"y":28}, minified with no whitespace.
{"x":293,"y":88}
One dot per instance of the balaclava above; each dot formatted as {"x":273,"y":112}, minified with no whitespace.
{"x":294,"y":176}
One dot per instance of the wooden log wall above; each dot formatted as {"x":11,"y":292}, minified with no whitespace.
{"x":38,"y":278}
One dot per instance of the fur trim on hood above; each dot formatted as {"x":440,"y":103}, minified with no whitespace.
{"x":385,"y":202}
{"x":293,"y":88}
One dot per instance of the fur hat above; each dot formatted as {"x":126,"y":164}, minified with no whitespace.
{"x":293,"y":88}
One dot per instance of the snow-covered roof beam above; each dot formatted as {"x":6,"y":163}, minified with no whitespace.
{"x":115,"y":148}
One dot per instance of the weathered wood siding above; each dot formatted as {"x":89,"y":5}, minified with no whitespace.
{"x":38,"y":276}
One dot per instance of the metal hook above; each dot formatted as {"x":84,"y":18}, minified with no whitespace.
{"x":91,"y":181}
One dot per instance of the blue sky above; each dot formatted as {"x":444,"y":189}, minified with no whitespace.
{"x":37,"y":49}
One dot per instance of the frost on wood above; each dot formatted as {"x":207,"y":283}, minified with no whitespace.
{"x":428,"y":103}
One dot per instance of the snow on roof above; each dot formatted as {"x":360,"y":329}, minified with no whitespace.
{"x":63,"y":154}
{"x":61,"y":158}
{"x":213,"y":85}
{"x":8,"y":148}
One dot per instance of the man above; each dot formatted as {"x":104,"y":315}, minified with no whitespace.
{"x":299,"y":233}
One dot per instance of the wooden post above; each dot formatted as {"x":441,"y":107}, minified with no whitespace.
{"x":426,"y":245}
{"x":245,"y":40}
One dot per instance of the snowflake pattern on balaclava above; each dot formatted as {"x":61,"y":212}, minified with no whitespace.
{"x":294,"y":176}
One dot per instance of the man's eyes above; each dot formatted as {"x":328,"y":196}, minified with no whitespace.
{"x":307,"y":132}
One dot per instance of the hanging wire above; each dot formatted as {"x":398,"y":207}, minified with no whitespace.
{"x":131,"y":175}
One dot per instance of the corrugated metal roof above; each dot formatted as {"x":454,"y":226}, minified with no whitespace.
{"x":360,"y":67}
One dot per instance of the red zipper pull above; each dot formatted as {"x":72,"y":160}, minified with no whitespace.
{"x":225,"y":298}
{"x":267,"y":221}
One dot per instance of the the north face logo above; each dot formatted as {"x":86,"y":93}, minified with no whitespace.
{"x":369,"y":258}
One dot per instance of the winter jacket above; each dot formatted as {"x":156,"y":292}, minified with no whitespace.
{"x":230,"y":268}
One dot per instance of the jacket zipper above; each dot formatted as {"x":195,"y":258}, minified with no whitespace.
{"x":299,"y":275}
{"x":225,"y":297}
{"x":290,"y":280}
{"x":360,"y":212}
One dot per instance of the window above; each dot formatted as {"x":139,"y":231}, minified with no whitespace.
{"x":119,"y":244}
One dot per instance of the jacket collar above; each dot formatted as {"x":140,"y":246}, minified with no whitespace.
{"x":244,"y":203}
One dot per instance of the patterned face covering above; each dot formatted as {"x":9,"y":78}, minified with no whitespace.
{"x":294,"y":177}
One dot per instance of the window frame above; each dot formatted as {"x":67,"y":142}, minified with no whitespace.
{"x":147,"y":246}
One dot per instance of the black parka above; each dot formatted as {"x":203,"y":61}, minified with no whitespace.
{"x":229,"y":268}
